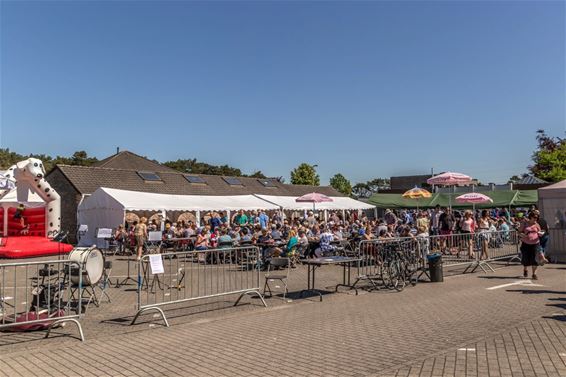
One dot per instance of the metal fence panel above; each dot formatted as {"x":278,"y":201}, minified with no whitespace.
{"x":195,"y":275}
{"x":39,"y":295}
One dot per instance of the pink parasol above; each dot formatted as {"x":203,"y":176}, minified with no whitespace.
{"x":449,"y":179}
{"x":313,"y":198}
{"x":474,"y":198}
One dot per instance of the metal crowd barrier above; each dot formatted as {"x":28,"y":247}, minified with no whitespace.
{"x":177,"y":277}
{"x":470,"y":250}
{"x":40,"y":295}
{"x":374,"y":254}
{"x":476,"y":250}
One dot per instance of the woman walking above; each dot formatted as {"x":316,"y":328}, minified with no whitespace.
{"x":484,"y":224}
{"x":468,"y":225}
{"x":140,"y":233}
{"x":530,"y":231}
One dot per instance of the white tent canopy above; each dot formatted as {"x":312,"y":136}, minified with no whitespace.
{"x":145,"y":201}
{"x":106,"y":208}
{"x":338,"y":203}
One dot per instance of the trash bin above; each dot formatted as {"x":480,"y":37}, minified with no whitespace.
{"x":435,"y":267}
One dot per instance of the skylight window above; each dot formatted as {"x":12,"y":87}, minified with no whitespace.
{"x":149,"y":176}
{"x":267,"y":182}
{"x":195,"y":179}
{"x":233,"y":181}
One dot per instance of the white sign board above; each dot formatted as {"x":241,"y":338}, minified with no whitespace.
{"x":104,"y":233}
{"x":154,"y":236}
{"x":156,"y":264}
{"x":83,"y":228}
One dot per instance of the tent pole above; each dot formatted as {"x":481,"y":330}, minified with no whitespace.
{"x":374,"y":212}
{"x":163,"y":217}
{"x":198,"y":218}
{"x":326,"y":216}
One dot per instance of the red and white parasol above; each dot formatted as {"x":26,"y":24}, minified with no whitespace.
{"x":449,"y":179}
{"x":314,"y":198}
{"x":474,"y":198}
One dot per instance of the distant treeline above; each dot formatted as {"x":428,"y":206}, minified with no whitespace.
{"x":81,"y":158}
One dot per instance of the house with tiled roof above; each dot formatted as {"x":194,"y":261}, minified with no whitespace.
{"x":129,"y":171}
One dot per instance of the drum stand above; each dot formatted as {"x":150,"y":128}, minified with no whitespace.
{"x":128,"y":277}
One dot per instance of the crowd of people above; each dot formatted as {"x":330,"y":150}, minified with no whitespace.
{"x":310,"y":236}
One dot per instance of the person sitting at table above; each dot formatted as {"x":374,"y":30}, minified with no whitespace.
{"x":325,"y":248}
{"x":169,"y":232}
{"x":275,"y":232}
{"x":152,"y":227}
{"x":383,"y":234}
{"x":213,"y":238}
{"x":224,"y":240}
{"x":266,"y":242}
{"x":245,"y":236}
{"x":337,"y":232}
{"x":202,"y":240}
{"x":303,"y":242}
{"x":406,"y":232}
{"x":234,"y":233}
{"x":291,"y":250}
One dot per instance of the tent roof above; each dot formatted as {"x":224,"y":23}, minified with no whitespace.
{"x":515,"y":198}
{"x":338,"y":203}
{"x":144,"y":201}
{"x":555,"y":186}
{"x":530,"y":180}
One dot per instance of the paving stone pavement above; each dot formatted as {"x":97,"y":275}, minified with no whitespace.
{"x":457,"y":328}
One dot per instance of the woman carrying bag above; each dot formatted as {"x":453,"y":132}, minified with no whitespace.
{"x":530,"y":231}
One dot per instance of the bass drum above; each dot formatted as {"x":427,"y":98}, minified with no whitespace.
{"x":92,"y":263}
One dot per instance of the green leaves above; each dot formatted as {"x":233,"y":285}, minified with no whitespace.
{"x":550,"y":158}
{"x":305,"y":174}
{"x":341,"y":184}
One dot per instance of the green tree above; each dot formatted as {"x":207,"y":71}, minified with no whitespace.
{"x":549,"y":158}
{"x":257,"y":174}
{"x":196,"y":167}
{"x":341,"y":184}
{"x":305,"y":174}
{"x":9,"y":158}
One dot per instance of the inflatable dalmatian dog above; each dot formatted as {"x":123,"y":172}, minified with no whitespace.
{"x":30,"y":174}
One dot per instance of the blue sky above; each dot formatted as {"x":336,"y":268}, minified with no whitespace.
{"x":367,"y":89}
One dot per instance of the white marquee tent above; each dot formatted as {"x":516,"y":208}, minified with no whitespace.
{"x":552,"y":203}
{"x":337,"y":203}
{"x":106,"y":208}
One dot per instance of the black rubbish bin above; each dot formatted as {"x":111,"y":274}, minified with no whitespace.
{"x":435,"y":268}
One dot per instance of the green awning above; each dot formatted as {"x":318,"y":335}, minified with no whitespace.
{"x":513,"y":198}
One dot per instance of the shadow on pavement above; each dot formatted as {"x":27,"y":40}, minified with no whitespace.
{"x":536,"y":291}
{"x":561,"y":317}
{"x":499,"y":277}
{"x":187,"y":313}
{"x":559,"y":306}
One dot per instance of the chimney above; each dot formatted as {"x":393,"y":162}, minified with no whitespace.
{"x":117,"y":150}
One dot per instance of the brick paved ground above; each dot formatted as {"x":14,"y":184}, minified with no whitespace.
{"x":455,"y":328}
